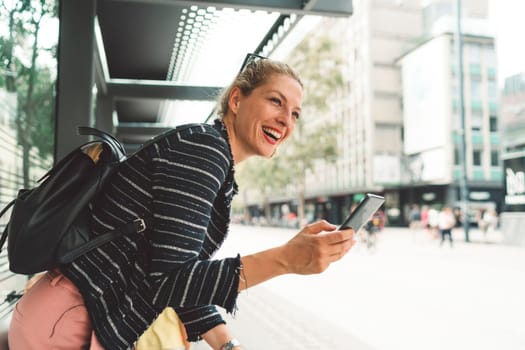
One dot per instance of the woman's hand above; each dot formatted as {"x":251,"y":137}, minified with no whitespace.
{"x":315,"y":247}
{"x":311,"y":251}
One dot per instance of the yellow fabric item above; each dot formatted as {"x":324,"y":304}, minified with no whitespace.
{"x":166,"y":333}
{"x":93,"y":151}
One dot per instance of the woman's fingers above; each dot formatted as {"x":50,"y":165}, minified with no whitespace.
{"x":317,"y":246}
{"x":337,"y":244}
{"x":319,"y":226}
{"x":337,"y":237}
{"x":341,"y":249}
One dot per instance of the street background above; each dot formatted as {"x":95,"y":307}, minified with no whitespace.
{"x":408,"y":293}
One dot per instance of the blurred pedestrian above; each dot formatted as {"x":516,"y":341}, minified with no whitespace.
{"x":424,"y":216}
{"x":432,"y":222}
{"x":490,"y":222}
{"x":414,"y":217}
{"x":482,"y":225}
{"x":372,"y":228}
{"x":458,"y":215}
{"x":446,"y":223}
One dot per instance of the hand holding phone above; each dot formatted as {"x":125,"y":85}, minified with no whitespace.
{"x":362,"y":213}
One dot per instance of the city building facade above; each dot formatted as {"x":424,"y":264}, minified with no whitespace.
{"x":433,"y":124}
{"x":450,"y":140}
{"x":367,"y":111}
{"x":398,"y":117}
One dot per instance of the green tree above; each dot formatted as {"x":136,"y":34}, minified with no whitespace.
{"x":34,"y":84}
{"x":11,"y":12}
{"x":262,"y":175}
{"x":319,"y":63}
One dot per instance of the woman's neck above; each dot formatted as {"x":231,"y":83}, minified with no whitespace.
{"x":232,"y":137}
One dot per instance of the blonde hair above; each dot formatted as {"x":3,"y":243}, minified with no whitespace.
{"x":255,"y":74}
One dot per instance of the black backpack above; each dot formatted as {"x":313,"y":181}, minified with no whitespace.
{"x":49,"y":224}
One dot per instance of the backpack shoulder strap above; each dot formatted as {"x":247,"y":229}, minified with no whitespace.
{"x":116,"y":145}
{"x":4,"y":234}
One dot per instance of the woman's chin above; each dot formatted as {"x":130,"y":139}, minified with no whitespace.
{"x":264,"y":154}
{"x":270,"y":154}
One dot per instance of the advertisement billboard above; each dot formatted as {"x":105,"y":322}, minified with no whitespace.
{"x":514,"y":167}
{"x":426,"y":96}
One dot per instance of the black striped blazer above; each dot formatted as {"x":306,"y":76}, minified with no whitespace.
{"x":183,"y":186}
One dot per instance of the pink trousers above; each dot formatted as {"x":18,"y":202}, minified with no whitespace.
{"x":52,"y":315}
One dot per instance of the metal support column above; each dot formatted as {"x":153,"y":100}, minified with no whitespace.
{"x":75,"y":73}
{"x":463,"y":143}
{"x":104,"y":113}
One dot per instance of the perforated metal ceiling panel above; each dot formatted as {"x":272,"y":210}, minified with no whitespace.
{"x":157,"y":55}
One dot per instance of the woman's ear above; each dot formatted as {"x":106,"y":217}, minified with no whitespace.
{"x":234,"y":99}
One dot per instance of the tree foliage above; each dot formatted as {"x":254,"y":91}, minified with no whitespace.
{"x":24,"y":74}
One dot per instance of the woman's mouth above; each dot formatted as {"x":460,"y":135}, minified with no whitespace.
{"x":272,"y":135}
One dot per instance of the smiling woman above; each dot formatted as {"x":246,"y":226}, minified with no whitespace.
{"x":260,"y":107}
{"x":184,"y":183}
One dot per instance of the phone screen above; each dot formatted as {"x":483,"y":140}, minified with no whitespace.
{"x":362,"y":213}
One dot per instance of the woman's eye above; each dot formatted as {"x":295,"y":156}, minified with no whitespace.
{"x":296,"y":115}
{"x":276,"y":101}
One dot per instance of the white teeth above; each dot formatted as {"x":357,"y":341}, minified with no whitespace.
{"x":275,"y":134}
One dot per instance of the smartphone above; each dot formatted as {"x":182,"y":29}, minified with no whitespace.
{"x":362,"y":213}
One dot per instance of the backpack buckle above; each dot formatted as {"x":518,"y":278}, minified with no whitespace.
{"x":140,"y":225}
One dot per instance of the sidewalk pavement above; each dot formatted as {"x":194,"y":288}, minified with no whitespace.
{"x":265,"y":320}
{"x":409,"y":293}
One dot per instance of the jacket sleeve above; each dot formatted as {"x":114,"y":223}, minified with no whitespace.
{"x":198,"y":320}
{"x":188,"y":171}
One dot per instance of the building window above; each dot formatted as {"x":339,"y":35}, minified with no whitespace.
{"x":476,"y":105}
{"x":456,"y":120}
{"x":494,"y":158}
{"x":493,"y":123}
{"x":473,"y":53}
{"x":476,"y":157}
{"x":475,"y":89}
{"x":476,"y":120}
{"x":489,"y":54}
{"x":493,"y":90}
{"x":456,"y":156}
{"x":475,"y":70}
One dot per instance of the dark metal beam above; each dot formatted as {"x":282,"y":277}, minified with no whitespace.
{"x":337,"y":8}
{"x":121,"y":88}
{"x":140,"y":129}
{"x":344,"y":7}
{"x":268,"y":38}
{"x":75,"y":73}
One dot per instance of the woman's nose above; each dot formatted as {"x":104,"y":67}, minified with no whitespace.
{"x":286,"y":117}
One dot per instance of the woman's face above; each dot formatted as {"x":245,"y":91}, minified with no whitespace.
{"x":265,"y":118}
